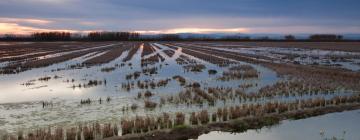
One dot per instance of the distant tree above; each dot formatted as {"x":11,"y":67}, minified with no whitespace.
{"x":289,"y":37}
{"x":170,"y":37}
{"x":265,"y":38}
{"x":325,"y":37}
{"x":113,"y":36}
{"x":51,"y":36}
{"x":235,"y":38}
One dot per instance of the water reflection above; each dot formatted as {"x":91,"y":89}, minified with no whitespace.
{"x":333,"y":125}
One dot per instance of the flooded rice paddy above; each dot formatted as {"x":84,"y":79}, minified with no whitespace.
{"x":81,"y":86}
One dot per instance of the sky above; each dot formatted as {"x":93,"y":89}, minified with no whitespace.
{"x":181,"y":16}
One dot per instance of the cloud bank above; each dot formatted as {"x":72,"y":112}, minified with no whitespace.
{"x":178,"y":16}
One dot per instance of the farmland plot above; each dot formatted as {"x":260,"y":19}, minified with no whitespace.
{"x":122,"y":88}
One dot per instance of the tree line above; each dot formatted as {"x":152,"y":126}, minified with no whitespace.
{"x":133,"y":36}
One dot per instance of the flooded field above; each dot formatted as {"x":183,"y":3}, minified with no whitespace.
{"x":95,"y":90}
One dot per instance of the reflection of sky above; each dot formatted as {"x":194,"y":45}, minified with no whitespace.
{"x":309,"y":129}
{"x":66,"y":99}
{"x":13,"y":91}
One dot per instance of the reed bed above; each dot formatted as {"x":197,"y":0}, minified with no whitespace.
{"x":108,"y":69}
{"x":152,"y":60}
{"x":227,"y":54}
{"x":149,"y":104}
{"x":147,"y":49}
{"x":194,"y":67}
{"x":33,"y":51}
{"x":108,"y":56}
{"x":20,"y":67}
{"x":207,"y":57}
{"x":141,"y":124}
{"x":185,"y":60}
{"x":169,"y":53}
{"x":319,"y":75}
{"x":152,"y":84}
{"x":132,"y":52}
{"x":150,"y":70}
{"x":135,"y":75}
{"x":240,"y":72}
{"x":180,"y":79}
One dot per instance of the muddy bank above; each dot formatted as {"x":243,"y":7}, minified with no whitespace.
{"x":238,"y":125}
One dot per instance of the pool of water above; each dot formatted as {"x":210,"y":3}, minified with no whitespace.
{"x":339,"y":125}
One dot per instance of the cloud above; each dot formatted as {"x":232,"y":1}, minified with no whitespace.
{"x":25,"y":20}
{"x":195,"y":30}
{"x":307,"y":29}
{"x":14,"y":28}
{"x":88,"y":23}
{"x":184,"y":15}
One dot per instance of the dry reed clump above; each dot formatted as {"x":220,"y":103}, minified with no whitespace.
{"x":133,"y":107}
{"x":247,"y":86}
{"x":204,"y":117}
{"x":88,"y":133}
{"x":180,"y":119}
{"x":86,"y":101}
{"x":47,"y":104}
{"x":150,"y":70}
{"x":165,"y":121}
{"x":148,"y":94}
{"x":46,"y":78}
{"x":107,"y":69}
{"x":143,"y":124}
{"x":240,"y":72}
{"x":149,"y":104}
{"x":91,"y":83}
{"x":180,"y":79}
{"x":193,"y":119}
{"x":225,"y":114}
{"x":128,"y":86}
{"x":152,"y":83}
{"x":109,"y":131}
{"x":134,"y":75}
{"x":127,"y":126}
{"x":194,"y":67}
{"x":214,"y":117}
{"x":152,"y":60}
{"x":71,"y":134}
{"x":212,"y":72}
